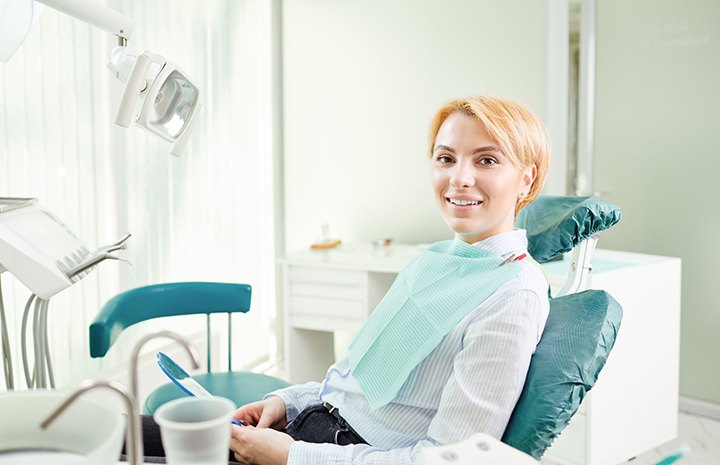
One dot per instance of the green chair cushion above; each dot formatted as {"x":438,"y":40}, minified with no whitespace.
{"x":578,"y":336}
{"x":240,"y":386}
{"x":556,"y":224}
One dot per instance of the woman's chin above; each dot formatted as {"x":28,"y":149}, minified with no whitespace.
{"x":464,"y":228}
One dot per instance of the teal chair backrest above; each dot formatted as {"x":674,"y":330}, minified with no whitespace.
{"x":188,"y":298}
{"x":160,"y":300}
{"x":579,"y":334}
{"x":580,"y":331}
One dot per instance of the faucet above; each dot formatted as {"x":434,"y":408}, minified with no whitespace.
{"x":133,"y":441}
{"x":133,"y":438}
{"x":192,"y":352}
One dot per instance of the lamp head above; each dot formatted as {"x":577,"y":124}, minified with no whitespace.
{"x":158,"y":96}
{"x":170,"y":103}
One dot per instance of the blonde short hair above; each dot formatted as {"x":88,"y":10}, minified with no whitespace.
{"x":520,"y":134}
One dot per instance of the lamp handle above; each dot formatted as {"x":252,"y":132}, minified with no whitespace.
{"x":136,"y":84}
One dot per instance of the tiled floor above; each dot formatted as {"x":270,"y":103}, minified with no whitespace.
{"x":701,"y":434}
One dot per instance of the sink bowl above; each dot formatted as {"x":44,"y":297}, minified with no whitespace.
{"x":86,"y":433}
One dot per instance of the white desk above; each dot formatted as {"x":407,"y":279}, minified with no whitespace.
{"x":633,"y":406}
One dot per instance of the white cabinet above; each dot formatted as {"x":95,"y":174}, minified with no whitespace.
{"x":332,"y":290}
{"x":631,"y":409}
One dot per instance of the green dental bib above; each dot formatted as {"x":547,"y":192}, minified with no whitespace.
{"x":428,"y":298}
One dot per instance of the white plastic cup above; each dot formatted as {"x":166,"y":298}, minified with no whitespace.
{"x":195,"y":431}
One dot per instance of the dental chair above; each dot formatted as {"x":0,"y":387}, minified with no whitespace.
{"x":162,"y":300}
{"x":580,"y":332}
{"x":581,"y":327}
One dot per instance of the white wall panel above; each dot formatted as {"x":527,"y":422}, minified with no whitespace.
{"x":657,"y":155}
{"x":361,"y":81}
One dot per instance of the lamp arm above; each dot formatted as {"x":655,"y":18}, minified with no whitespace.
{"x":99,"y":16}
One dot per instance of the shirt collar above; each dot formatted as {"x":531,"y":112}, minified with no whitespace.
{"x":506,"y":243}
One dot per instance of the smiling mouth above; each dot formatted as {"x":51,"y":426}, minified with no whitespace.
{"x":462,"y":203}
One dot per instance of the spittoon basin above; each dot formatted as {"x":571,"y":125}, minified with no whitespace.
{"x":85,"y":433}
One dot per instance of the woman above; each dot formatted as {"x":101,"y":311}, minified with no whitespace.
{"x":446,"y":352}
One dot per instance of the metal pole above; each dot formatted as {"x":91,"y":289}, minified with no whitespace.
{"x":586,"y":98}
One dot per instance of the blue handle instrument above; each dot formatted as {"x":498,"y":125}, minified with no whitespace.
{"x":183,"y":380}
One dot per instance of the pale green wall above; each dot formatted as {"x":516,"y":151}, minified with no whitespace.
{"x":361,"y":80}
{"x":657,"y":155}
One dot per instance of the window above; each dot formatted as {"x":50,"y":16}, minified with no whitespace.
{"x":207,"y":216}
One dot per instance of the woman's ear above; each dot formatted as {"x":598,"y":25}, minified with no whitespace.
{"x":529,"y":175}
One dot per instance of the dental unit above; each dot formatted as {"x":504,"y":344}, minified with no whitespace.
{"x":47,"y":257}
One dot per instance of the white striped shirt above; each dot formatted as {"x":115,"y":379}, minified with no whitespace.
{"x":469,"y":383}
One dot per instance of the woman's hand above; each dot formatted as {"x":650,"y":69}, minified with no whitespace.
{"x":268,"y":413}
{"x":260,"y":446}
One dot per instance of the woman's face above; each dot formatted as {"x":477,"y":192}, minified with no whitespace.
{"x":476,"y":185}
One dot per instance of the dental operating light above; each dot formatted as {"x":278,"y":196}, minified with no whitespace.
{"x":158,"y":95}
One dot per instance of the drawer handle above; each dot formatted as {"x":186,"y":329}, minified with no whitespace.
{"x":323,"y":283}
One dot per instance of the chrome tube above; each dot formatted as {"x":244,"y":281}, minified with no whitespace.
{"x":37,"y":350}
{"x":29,"y":380}
{"x":7,"y":353}
{"x":133,"y":441}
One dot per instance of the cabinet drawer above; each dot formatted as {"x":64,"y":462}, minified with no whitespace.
{"x":323,"y":283}
{"x":332,"y":291}
{"x":343,"y":308}
{"x":311,"y":275}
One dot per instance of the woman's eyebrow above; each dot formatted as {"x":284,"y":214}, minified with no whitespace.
{"x":443,"y":147}
{"x":487,"y":148}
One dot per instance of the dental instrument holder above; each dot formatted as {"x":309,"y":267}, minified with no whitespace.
{"x":47,"y":257}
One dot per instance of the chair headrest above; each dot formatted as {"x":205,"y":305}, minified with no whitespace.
{"x":556,"y":224}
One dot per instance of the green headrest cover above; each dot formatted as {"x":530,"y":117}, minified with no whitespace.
{"x":579,"y":334}
{"x":556,"y":224}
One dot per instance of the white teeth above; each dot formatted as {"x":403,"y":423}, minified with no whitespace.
{"x":464,"y":202}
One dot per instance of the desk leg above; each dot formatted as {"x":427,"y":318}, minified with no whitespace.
{"x":308,"y":354}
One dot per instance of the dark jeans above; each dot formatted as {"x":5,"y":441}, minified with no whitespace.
{"x":316,"y":424}
{"x":323,"y":424}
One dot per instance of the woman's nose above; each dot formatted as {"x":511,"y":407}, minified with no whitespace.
{"x":462,"y":175}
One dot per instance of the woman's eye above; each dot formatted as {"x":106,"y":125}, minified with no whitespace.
{"x":444,"y":159}
{"x":488,"y":161}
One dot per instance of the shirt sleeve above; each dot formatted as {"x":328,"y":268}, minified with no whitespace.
{"x":490,"y":370}
{"x":488,"y":376}
{"x":297,"y":398}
